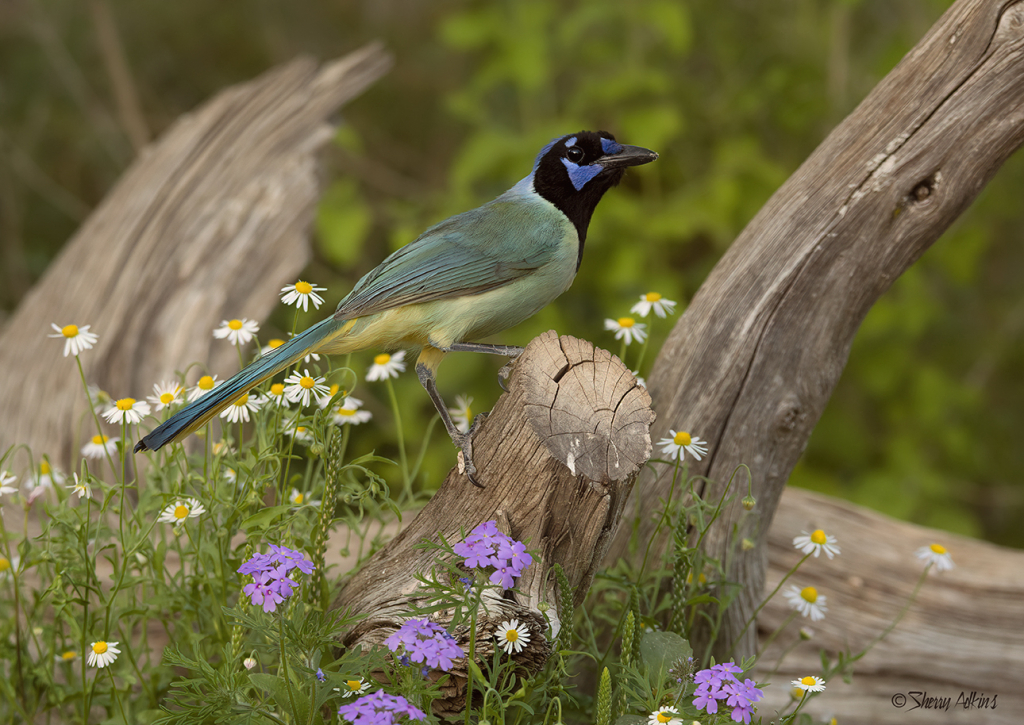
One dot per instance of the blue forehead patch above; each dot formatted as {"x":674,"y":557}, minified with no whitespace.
{"x":580,"y":175}
{"x":609,"y":146}
{"x":571,"y":142}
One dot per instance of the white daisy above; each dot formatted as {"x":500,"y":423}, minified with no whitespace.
{"x":811,"y":683}
{"x":240,"y":409}
{"x":8,"y":567}
{"x":82,"y":488}
{"x":276,"y":396}
{"x":66,"y":656}
{"x":76,"y":339}
{"x":387,"y":366}
{"x":177,"y":512}
{"x":203,"y":386}
{"x":937,"y":556}
{"x":103,"y":654}
{"x":807,"y":601}
{"x":49,"y":477}
{"x":512,"y":636}
{"x":462,"y":413}
{"x":127,"y":410}
{"x":239,"y":332}
{"x":298,"y":498}
{"x":7,"y":480}
{"x":628,"y":329}
{"x":301,"y":434}
{"x":353,"y":687}
{"x":222,"y":448}
{"x":653,"y":301}
{"x":300,"y":388}
{"x":350,"y":415}
{"x":100,"y":446}
{"x":345,"y":400}
{"x":682,"y":443}
{"x":230,"y":474}
{"x":665,"y":716}
{"x":639,"y":380}
{"x":301,"y":294}
{"x":165,"y":395}
{"x":816,"y":542}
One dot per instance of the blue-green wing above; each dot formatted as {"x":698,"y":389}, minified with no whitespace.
{"x":468,"y":254}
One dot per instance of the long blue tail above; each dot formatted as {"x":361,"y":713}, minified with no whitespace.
{"x":196,"y":414}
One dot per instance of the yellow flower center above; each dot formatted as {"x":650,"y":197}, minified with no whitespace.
{"x":469,"y":413}
{"x":99,"y":647}
{"x":205,"y":383}
{"x":166,"y":398}
{"x":809,"y":594}
{"x":44,"y":468}
{"x":303,"y":288}
{"x":354,"y":685}
{"x":5,"y":564}
{"x":664,"y":716}
{"x":69,"y":330}
{"x":301,"y":429}
{"x":938,"y":548}
{"x":808,"y":681}
{"x":652,"y":297}
{"x":277,"y":389}
{"x":180,"y":511}
{"x":69,"y":655}
{"x":297,"y":498}
{"x":626,"y":322}
{"x":307,"y":382}
{"x":235,"y":324}
{"x":682,"y":438}
{"x":796,"y":693}
{"x":818,"y":537}
{"x":242,"y":401}
{"x":99,"y":440}
{"x":125,"y":403}
{"x":345,"y":411}
{"x":275,"y":343}
{"x":511,"y":635}
{"x":701,"y":579}
{"x":382,"y":359}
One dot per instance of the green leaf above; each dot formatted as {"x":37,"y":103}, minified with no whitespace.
{"x":264,"y":517}
{"x":660,"y":650}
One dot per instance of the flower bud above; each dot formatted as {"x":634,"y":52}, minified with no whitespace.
{"x":747,"y":545}
{"x":249,"y":662}
{"x":316,"y":449}
{"x":749,"y":502}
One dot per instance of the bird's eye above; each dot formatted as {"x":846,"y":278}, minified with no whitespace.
{"x":574,"y":154}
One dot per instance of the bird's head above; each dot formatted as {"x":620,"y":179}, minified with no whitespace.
{"x":575,"y":171}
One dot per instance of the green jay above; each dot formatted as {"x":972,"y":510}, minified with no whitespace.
{"x":469,"y":277}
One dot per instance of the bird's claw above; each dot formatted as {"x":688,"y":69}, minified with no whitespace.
{"x":465,"y":443}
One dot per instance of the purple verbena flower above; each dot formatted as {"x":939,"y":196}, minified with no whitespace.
{"x":270,"y":572}
{"x":425,"y":641}
{"x":380,"y":708}
{"x":320,"y":676}
{"x":264,"y":591}
{"x":291,"y":559}
{"x":486,"y":546}
{"x":705,"y":699}
{"x":504,"y":577}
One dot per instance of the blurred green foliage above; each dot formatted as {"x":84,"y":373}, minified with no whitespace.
{"x":926,"y":421}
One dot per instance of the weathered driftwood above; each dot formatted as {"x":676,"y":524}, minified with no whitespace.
{"x":753,"y":361}
{"x":569,"y":406}
{"x":208,"y":224}
{"x":963,"y":634}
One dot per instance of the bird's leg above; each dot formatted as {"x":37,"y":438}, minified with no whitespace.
{"x":509,"y":351}
{"x":464,"y":441}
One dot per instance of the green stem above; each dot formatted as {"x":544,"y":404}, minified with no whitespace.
{"x":284,"y":667}
{"x":767,"y":599}
{"x":113,"y":691}
{"x":407,"y":482}
{"x":95,"y":417}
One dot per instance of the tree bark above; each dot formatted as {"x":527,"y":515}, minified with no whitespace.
{"x":207,"y":224}
{"x":753,"y":361}
{"x":558,"y":456}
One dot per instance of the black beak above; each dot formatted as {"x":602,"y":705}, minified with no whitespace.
{"x":627,"y":156}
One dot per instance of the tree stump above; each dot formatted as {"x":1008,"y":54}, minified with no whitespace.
{"x":558,"y":457}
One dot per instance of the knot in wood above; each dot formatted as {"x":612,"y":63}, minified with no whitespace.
{"x":586,"y":407}
{"x":787,"y":415}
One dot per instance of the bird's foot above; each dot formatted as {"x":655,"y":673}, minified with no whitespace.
{"x":506,"y":369}
{"x":464,"y":441}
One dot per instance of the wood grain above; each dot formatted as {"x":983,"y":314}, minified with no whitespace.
{"x":752,"y":363}
{"x":208,"y":224}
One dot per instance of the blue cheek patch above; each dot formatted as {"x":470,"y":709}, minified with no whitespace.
{"x":580,"y":175}
{"x":609,"y":146}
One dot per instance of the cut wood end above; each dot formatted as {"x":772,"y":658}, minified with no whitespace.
{"x":586,"y":407}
